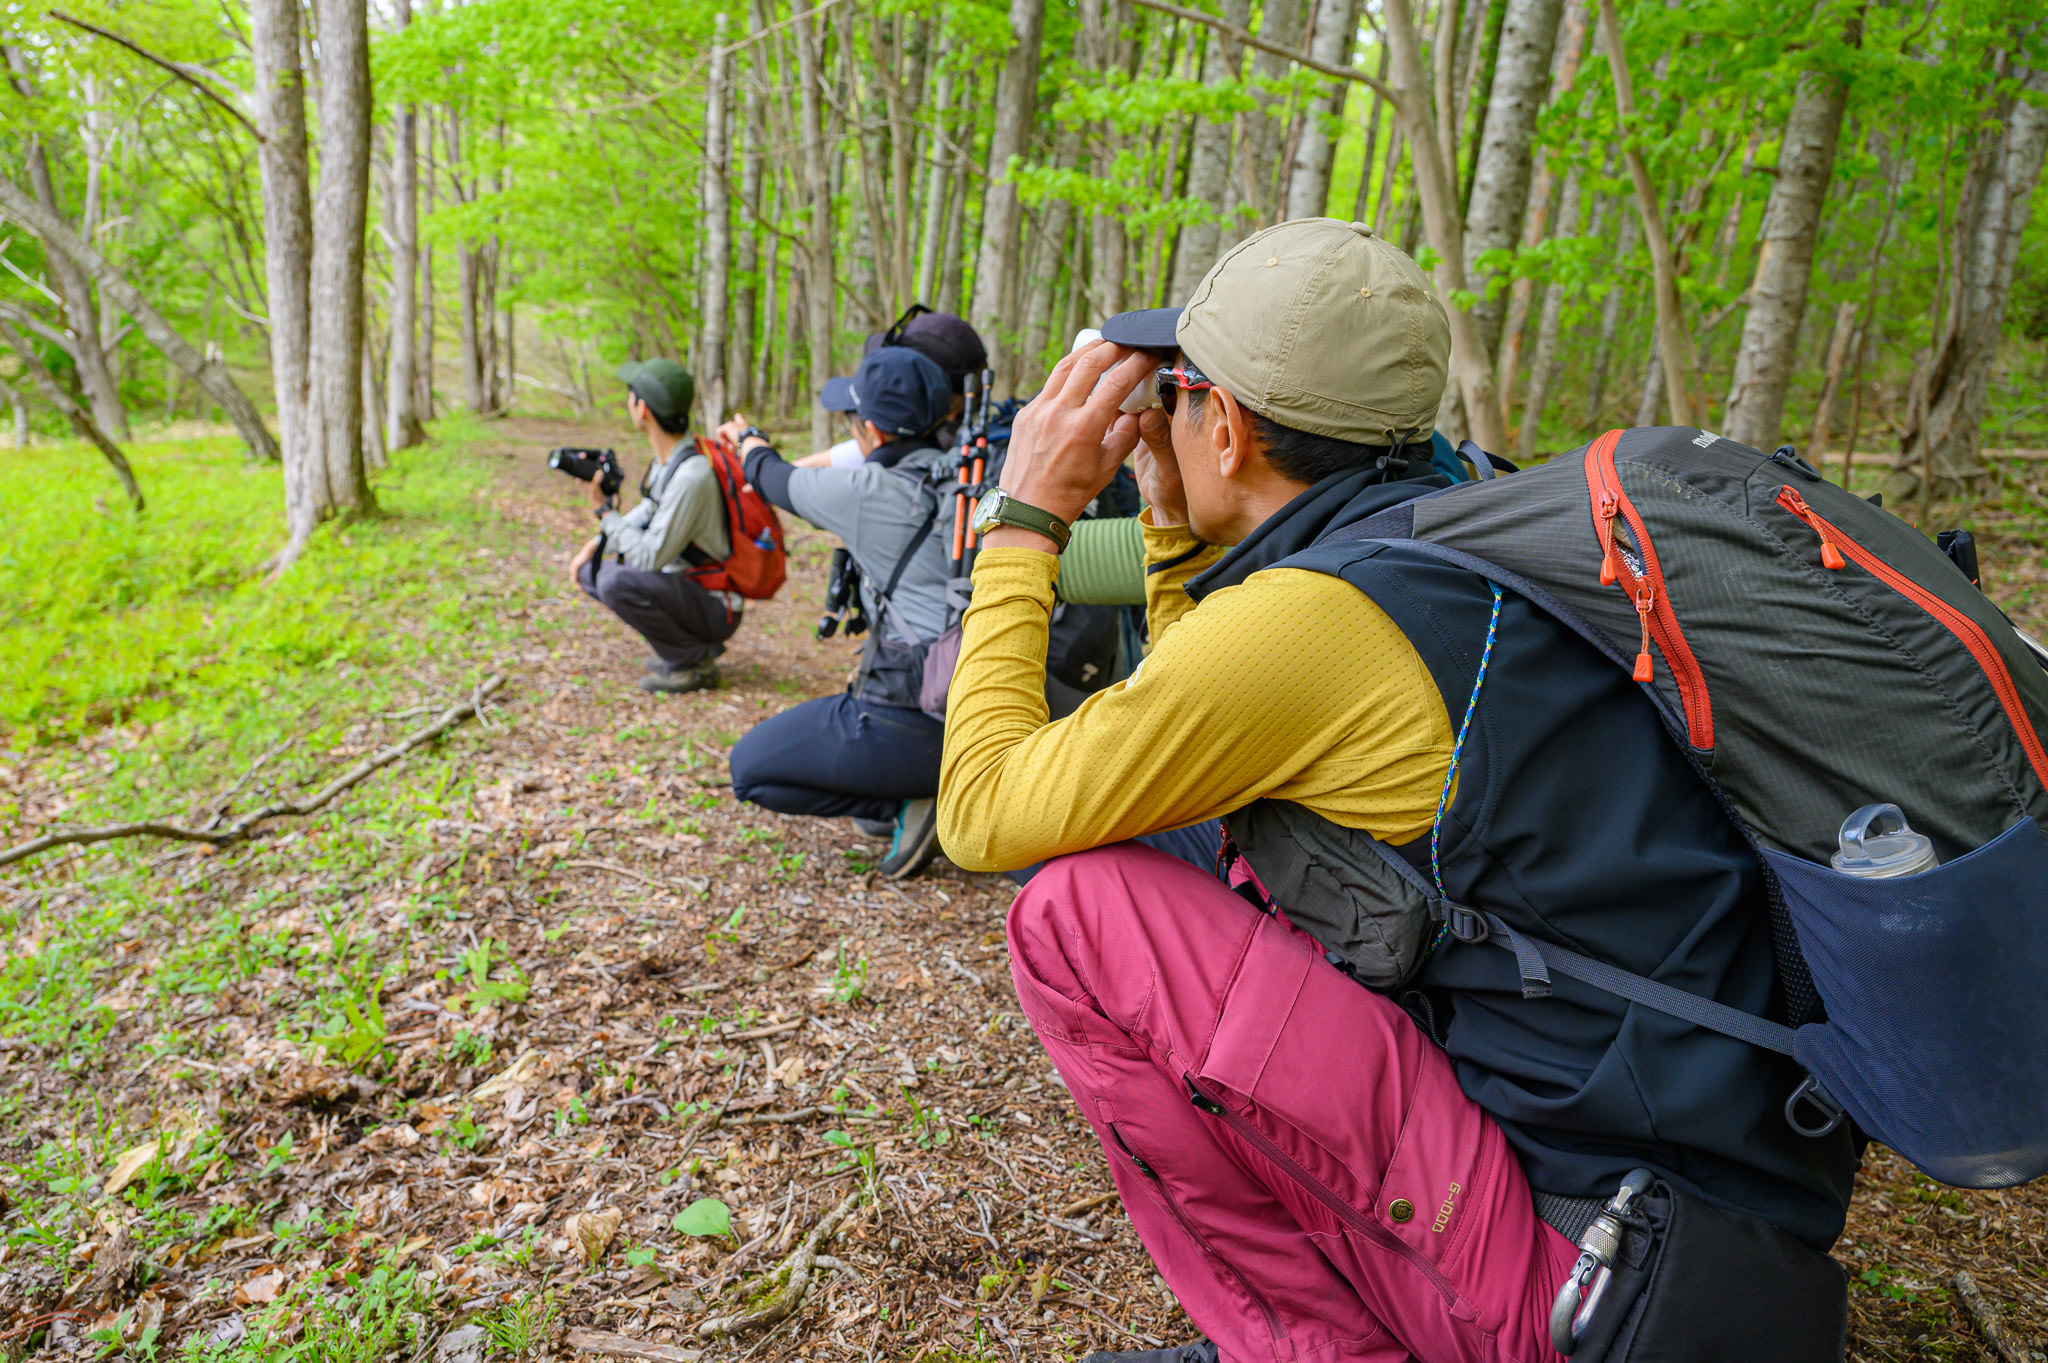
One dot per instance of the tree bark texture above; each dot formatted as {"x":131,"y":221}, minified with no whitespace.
{"x":1674,"y":344}
{"x":1308,"y":179}
{"x":711,"y":346}
{"x":340,"y":209}
{"x":1840,"y":338}
{"x":1944,"y":428}
{"x":820,"y":290}
{"x":1543,"y":363}
{"x":939,"y":159}
{"x":1471,"y":363}
{"x":80,"y":419}
{"x":1766,"y":357}
{"x":1209,"y":161}
{"x":1571,"y":48}
{"x":746,"y":298}
{"x":1500,"y":175}
{"x":994,"y":313}
{"x":209,"y":374}
{"x":1258,"y":196}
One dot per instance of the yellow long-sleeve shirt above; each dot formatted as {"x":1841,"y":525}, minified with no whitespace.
{"x":1291,"y":684}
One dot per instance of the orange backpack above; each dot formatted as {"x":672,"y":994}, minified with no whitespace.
{"x":757,"y":564}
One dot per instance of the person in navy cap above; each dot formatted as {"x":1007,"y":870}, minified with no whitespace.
{"x":870,"y":753}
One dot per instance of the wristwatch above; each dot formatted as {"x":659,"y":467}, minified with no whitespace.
{"x":998,"y":507}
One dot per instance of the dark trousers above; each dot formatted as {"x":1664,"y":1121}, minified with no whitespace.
{"x":839,"y":756}
{"x":683,"y":624}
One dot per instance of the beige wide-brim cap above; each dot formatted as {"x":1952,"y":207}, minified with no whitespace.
{"x":1323,"y":326}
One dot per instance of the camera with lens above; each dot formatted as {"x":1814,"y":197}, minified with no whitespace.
{"x":586,"y":465}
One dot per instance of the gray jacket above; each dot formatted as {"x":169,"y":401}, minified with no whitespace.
{"x":681,"y":506}
{"x":876,"y":511}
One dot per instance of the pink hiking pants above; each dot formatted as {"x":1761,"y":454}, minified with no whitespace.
{"x":1298,"y":1158}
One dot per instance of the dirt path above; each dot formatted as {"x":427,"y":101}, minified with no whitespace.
{"x":679,"y":998}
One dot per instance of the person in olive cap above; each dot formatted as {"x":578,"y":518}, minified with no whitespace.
{"x":639,"y":563}
{"x":1314,"y":1174}
{"x":870,"y":753}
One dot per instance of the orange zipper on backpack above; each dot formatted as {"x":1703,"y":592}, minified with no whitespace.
{"x":1646,"y":591}
{"x":1968,"y":631}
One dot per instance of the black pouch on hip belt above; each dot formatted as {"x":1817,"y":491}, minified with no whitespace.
{"x":1663,"y":1277}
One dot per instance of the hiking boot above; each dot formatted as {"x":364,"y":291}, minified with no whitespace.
{"x":1201,"y":1351}
{"x":702,"y":677}
{"x":881,"y":830}
{"x":916,"y":840}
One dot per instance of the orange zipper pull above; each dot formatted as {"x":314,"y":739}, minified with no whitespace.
{"x":1645,"y":601}
{"x":1610,"y":567}
{"x":1830,"y":557}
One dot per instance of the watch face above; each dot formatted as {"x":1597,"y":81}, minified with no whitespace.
{"x":985,"y":512}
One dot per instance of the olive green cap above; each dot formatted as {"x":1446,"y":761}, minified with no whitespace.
{"x":1324,"y":327}
{"x":663,"y":385}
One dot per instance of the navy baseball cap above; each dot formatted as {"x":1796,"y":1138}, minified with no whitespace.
{"x":901,"y":391}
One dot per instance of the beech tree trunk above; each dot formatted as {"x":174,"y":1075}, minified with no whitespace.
{"x":820,"y":287}
{"x":711,"y":345}
{"x":1840,"y":337}
{"x":939,"y":160}
{"x":1308,"y":179}
{"x":1258,"y":196}
{"x":340,"y":209}
{"x":1209,"y":161}
{"x":746,"y":296}
{"x":1571,"y":48}
{"x":80,"y":419}
{"x":423,"y":370}
{"x":1435,"y":184}
{"x":1543,"y":363}
{"x":1944,"y":426}
{"x":1784,"y":264}
{"x":1673,"y":342}
{"x":1610,"y":305}
{"x":995,"y":266}
{"x":401,"y":412}
{"x":209,"y":374}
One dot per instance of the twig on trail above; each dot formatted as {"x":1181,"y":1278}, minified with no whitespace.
{"x":618,"y":870}
{"x":1984,"y":1315}
{"x":220,"y":806}
{"x":792,"y":1279}
{"x":960,"y":970}
{"x":772,"y":1029}
{"x":619,"y":1346}
{"x":239,"y":829}
{"x":1088,"y":1204}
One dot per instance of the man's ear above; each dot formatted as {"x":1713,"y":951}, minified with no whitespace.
{"x":1232,"y":433}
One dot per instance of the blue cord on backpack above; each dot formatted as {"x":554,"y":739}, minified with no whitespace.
{"x":1436,"y":870}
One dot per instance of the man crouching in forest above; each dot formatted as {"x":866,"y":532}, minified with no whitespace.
{"x":1315,"y":1175}
{"x":640,"y":562}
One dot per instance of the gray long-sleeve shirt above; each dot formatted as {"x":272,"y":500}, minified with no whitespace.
{"x":682,"y":507}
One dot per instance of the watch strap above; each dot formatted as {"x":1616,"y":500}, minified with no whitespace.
{"x":1023,"y":515}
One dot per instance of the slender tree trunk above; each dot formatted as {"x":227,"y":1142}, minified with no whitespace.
{"x":74,"y":283}
{"x":401,"y":404}
{"x":711,"y":345}
{"x":423,"y":370}
{"x":1259,"y":151}
{"x":1784,"y":264}
{"x":1052,"y":255}
{"x":80,"y":419}
{"x":1471,"y":362}
{"x":1543,"y":363}
{"x":995,"y":267}
{"x":208,"y":373}
{"x":1389,"y":176}
{"x":1611,"y":303}
{"x":939,"y":164}
{"x":1209,"y":162}
{"x":1674,"y":344}
{"x":1944,"y":427}
{"x":1308,"y":182}
{"x":1571,"y":47}
{"x":819,"y":287}
{"x":376,"y":454}
{"x":1840,"y":341}
{"x":340,"y":209}
{"x":746,"y":255}
{"x":1372,"y":142}
{"x":1500,"y":176}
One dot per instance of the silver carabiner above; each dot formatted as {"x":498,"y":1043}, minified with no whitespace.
{"x":1598,"y":1248}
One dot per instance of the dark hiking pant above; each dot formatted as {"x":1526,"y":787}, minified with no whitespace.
{"x":838,"y":756}
{"x":683,"y":624}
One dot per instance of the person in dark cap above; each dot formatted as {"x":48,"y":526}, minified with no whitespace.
{"x":639,"y":563}
{"x":944,"y":339}
{"x":869,"y":753}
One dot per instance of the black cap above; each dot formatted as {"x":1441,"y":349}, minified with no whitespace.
{"x":900,"y":390}
{"x":946,"y":340}
{"x":1145,"y":329}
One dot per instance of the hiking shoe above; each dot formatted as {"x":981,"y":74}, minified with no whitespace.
{"x":916,"y":840}
{"x":881,"y":830}
{"x":702,"y":677}
{"x":1201,"y":1351}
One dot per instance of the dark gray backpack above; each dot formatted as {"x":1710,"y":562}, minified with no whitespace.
{"x":1813,"y":655}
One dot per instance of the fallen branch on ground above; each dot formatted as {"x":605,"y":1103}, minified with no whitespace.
{"x":1984,"y":1315}
{"x":789,"y":1282}
{"x":240,"y":828}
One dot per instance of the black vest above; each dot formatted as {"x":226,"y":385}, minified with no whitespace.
{"x":1577,"y":821}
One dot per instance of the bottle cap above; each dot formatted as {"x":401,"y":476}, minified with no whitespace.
{"x":1877,"y":843}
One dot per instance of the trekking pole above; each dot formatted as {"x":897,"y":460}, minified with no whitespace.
{"x":988,"y":383}
{"x":960,"y":506}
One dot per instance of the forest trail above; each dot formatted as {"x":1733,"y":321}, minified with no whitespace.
{"x":599,"y":956}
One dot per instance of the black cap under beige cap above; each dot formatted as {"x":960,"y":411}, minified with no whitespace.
{"x":1318,"y":324}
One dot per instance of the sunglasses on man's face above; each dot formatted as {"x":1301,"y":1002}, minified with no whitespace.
{"x":1171,"y":378}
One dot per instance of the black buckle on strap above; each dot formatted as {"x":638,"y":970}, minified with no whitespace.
{"x":1820,"y":1100}
{"x":1467,"y":925}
